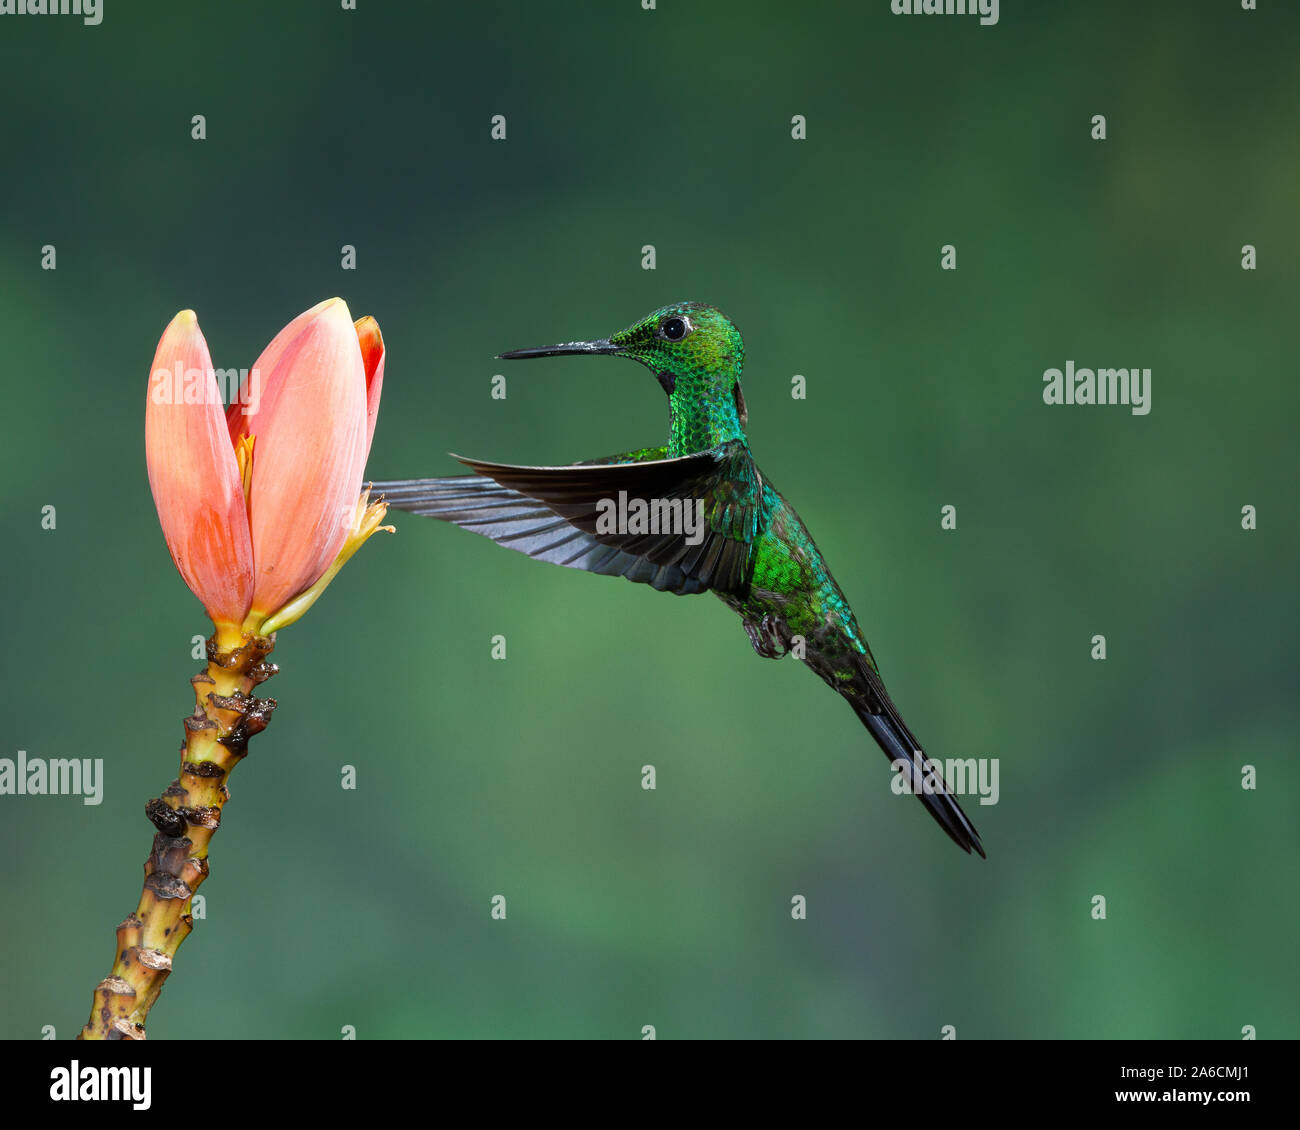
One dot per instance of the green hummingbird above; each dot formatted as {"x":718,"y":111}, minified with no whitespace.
{"x":631,"y":515}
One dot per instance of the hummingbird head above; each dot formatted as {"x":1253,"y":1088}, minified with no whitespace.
{"x":685,"y":341}
{"x":693,"y":349}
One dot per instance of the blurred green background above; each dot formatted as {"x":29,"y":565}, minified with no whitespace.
{"x":521,"y":777}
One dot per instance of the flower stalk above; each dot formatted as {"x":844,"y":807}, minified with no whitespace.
{"x":226,"y":715}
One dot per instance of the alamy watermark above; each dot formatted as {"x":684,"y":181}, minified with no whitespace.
{"x":76,"y":1083}
{"x":955,"y":776}
{"x":623,"y":515}
{"x":179,"y":385}
{"x":54,"y":776}
{"x":987,"y":10}
{"x":1100,"y":386}
{"x":90,"y":11}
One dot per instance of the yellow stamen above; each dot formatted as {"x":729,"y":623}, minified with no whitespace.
{"x":244,"y":459}
{"x":365,"y":522}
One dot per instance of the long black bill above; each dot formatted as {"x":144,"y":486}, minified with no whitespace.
{"x":561,"y":350}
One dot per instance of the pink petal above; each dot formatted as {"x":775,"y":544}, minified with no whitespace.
{"x":310,"y":450}
{"x":192,"y":472}
{"x":372,"y":357}
{"x":244,"y":408}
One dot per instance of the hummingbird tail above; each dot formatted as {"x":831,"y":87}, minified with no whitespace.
{"x":888,"y":731}
{"x":872,"y":704}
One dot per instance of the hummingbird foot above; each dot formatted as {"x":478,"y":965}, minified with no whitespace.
{"x":770,"y":635}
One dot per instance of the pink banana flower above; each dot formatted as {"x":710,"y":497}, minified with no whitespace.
{"x":261,"y":504}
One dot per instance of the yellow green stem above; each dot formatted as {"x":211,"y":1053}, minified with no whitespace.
{"x":226,"y":715}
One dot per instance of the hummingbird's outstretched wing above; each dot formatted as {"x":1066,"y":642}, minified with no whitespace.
{"x":511,"y":519}
{"x":692,"y":520}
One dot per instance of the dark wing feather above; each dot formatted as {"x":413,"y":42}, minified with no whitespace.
{"x":477,"y":503}
{"x":724,"y":480}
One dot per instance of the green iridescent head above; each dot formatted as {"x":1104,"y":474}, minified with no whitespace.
{"x":689,"y":346}
{"x":686,"y":339}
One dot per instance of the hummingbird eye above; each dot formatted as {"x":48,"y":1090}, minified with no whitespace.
{"x":674,"y":329}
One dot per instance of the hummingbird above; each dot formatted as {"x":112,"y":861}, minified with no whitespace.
{"x":749,"y":546}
